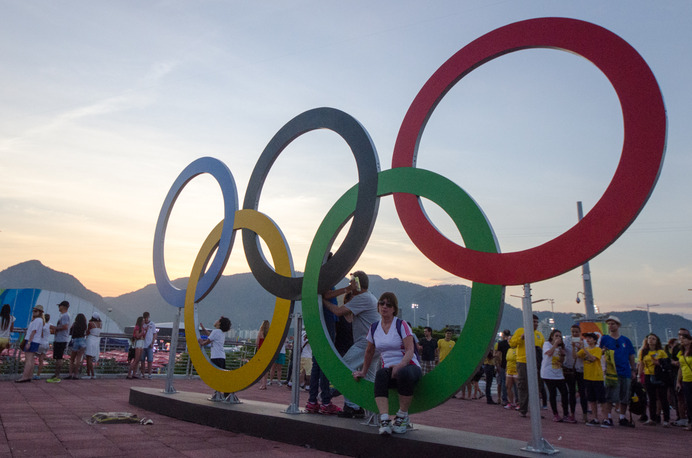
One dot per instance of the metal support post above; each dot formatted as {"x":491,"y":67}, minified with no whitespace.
{"x":172,"y":353}
{"x":294,"y":408}
{"x":538,"y":443}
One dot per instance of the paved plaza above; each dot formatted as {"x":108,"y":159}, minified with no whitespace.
{"x":43,"y":419}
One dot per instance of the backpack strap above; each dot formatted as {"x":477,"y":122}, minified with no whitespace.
{"x":373,"y":328}
{"x":399,"y":324}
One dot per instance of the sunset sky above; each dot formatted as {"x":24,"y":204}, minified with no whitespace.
{"x":103,"y":104}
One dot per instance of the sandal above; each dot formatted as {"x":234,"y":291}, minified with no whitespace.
{"x":262,"y":387}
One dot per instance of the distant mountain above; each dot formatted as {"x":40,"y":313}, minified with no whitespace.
{"x":33,"y":274}
{"x":246,"y":303}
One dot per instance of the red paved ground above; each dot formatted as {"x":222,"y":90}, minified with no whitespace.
{"x":41,"y":419}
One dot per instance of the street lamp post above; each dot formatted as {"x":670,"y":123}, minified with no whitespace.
{"x":648,"y":314}
{"x":414,"y":307}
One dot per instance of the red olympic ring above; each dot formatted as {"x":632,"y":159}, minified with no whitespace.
{"x":644,"y":120}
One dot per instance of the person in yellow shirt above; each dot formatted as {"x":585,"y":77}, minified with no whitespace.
{"x":684,"y":382}
{"x":517,"y":341}
{"x":650,"y":356}
{"x":511,"y":377}
{"x":593,"y":376}
{"x":445,"y":345}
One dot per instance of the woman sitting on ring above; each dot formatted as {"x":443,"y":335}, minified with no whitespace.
{"x":393,"y":339}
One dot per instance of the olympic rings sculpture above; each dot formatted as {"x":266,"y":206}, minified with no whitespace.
{"x":480,"y":260}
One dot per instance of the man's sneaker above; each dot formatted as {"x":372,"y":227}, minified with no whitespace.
{"x":400,"y":425}
{"x":350,"y":412}
{"x":312,"y":407}
{"x":607,"y":423}
{"x":330,"y":409}
{"x":385,"y":426}
{"x":665,"y":424}
{"x":569,"y":419}
{"x":593,"y":422}
{"x":54,"y":380}
{"x":625,"y":422}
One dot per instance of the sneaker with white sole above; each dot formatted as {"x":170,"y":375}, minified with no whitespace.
{"x":329,"y":409}
{"x":386,"y":427}
{"x":400,"y":424}
{"x":312,"y":407}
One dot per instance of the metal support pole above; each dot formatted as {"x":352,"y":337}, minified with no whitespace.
{"x":294,"y":408}
{"x":538,"y":443}
{"x":172,"y":352}
{"x":586,"y":278}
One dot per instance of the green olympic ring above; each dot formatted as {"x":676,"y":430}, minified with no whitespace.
{"x":486,"y":300}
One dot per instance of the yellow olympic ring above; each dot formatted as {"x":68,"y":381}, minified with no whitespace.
{"x":230,"y":381}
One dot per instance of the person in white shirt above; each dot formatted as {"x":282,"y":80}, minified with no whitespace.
{"x":43,"y":348}
{"x":216,"y":339}
{"x":148,"y":350}
{"x":34,"y":336}
{"x":400,"y":368}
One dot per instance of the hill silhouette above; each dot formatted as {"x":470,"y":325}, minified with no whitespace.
{"x":241,"y":298}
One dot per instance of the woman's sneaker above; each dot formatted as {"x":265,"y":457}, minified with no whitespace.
{"x":400,"y":425}
{"x":312,"y":407}
{"x":330,"y":409}
{"x":386,"y":427}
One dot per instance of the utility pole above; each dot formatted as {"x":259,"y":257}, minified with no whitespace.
{"x":648,"y":314}
{"x":586,"y":278}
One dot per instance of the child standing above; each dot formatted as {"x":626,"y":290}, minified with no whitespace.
{"x":593,"y":376}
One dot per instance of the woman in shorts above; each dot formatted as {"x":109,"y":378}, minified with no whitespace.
{"x":43,"y":348}
{"x":511,"y":379}
{"x":138,"y":343}
{"x":34,"y":335}
{"x":78,"y":333}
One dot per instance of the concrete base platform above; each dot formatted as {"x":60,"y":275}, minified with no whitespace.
{"x":326,"y":433}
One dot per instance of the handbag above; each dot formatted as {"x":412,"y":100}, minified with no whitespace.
{"x":663,"y":373}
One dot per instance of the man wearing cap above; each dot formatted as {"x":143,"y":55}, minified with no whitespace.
{"x":62,"y":337}
{"x":623,"y":356}
{"x":363,"y":307}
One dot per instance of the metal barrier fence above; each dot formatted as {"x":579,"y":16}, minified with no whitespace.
{"x":113,"y":357}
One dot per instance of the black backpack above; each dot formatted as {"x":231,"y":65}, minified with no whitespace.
{"x":663,"y":372}
{"x":637,"y":398}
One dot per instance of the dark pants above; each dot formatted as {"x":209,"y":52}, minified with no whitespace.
{"x":523,"y":387}
{"x":541,"y":388}
{"x":405,"y":381}
{"x":575,"y":384}
{"x":489,"y":372}
{"x":553,"y":387}
{"x":687,"y":392}
{"x":657,"y":392}
{"x":318,"y":381}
